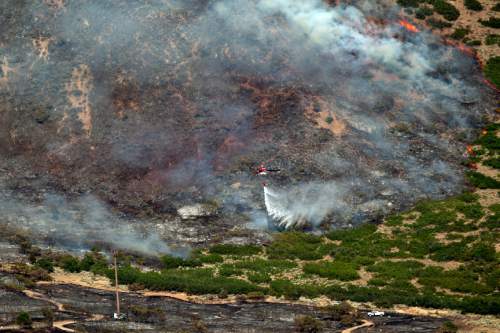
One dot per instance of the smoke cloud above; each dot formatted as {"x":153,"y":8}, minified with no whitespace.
{"x":79,"y":224}
{"x":157,"y":104}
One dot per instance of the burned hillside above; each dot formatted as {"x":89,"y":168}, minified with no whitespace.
{"x":143,"y":108}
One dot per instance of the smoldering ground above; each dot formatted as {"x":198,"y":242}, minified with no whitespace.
{"x":79,"y":224}
{"x":152,"y":105}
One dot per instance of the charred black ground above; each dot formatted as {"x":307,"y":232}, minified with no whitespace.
{"x":116,"y":112}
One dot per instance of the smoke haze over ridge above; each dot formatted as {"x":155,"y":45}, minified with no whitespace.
{"x":147,"y":106}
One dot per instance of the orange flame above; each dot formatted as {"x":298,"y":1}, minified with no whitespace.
{"x":472,"y":53}
{"x":408,"y":26}
{"x":470,"y":150}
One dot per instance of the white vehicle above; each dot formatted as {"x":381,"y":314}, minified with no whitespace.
{"x":376,"y":313}
{"x":119,"y":316}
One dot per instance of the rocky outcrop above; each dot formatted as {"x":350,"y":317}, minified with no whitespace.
{"x":197,"y":211}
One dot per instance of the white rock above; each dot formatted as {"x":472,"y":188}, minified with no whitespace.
{"x":196,"y":211}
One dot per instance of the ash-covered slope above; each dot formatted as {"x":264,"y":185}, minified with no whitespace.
{"x":147,"y":106}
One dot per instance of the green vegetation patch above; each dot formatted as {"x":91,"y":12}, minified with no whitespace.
{"x":492,"y":22}
{"x":169,"y":261}
{"x":195,"y":281}
{"x":493,"y":163}
{"x":396,"y":269}
{"x":296,"y":245}
{"x":473,"y":5}
{"x":458,"y":280}
{"x":492,"y":70}
{"x":338,"y":270}
{"x":423,"y":12}
{"x":446,"y":9}
{"x":481,"y":181}
{"x":438,"y":24}
{"x":266,"y":265}
{"x":460,"y":33}
{"x":236,"y":250}
{"x":409,"y":3}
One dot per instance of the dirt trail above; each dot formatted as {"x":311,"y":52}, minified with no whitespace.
{"x":61,"y":324}
{"x":366,"y":323}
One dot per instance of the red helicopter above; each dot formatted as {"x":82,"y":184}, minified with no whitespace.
{"x":262,"y":170}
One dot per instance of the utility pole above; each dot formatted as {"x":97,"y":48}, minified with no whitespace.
{"x":117,"y":314}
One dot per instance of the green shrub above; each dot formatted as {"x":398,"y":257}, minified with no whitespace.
{"x":256,"y":295}
{"x":483,"y":251}
{"x":329,"y":119}
{"x":474,"y":42}
{"x":229,"y":270}
{"x":473,"y":5}
{"x":199,"y":326}
{"x":295,"y":245}
{"x":344,"y":271}
{"x":490,"y":140}
{"x":237,"y":250}
{"x":492,"y":39}
{"x":174,"y":262}
{"x":354,"y":234}
{"x":492,"y":222}
{"x":195,"y":281}
{"x":408,"y":3}
{"x":46,"y":264}
{"x":93,"y":261}
{"x":394,"y":220}
{"x":492,"y":73}
{"x":308,"y":324}
{"x":423,"y":12}
{"x":493,"y":163}
{"x":377,"y":282}
{"x":459,"y":33}
{"x":266,"y":265}
{"x":453,"y":251}
{"x":438,"y":24}
{"x":468,"y":197}
{"x":458,"y":280}
{"x":339,"y":312}
{"x":363,"y":261}
{"x":146,"y":314}
{"x":23,"y":319}
{"x":447,"y":10}
{"x":447,"y":327}
{"x":259,"y":277}
{"x":211,"y":259}
{"x":293,"y":291}
{"x":474,"y":211}
{"x":396,"y":269}
{"x":70,"y":264}
{"x":126,"y":274}
{"x":436,"y":218}
{"x":492,"y":22}
{"x":481,"y":181}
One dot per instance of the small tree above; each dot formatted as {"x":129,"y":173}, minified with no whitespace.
{"x":308,"y":324}
{"x":199,"y":326}
{"x":447,"y":327}
{"x":24,"y":320}
{"x":46,"y":264}
{"x":343,"y":312}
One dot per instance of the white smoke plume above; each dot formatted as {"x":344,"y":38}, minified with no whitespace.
{"x":177,"y":82}
{"x":78,"y":224}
